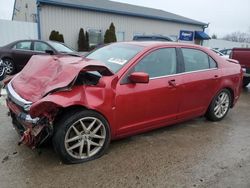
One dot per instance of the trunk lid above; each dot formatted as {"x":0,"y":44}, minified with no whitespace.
{"x":45,"y":74}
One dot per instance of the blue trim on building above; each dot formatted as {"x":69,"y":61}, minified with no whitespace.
{"x":51,"y":2}
{"x":14,"y":8}
{"x":38,"y":19}
{"x":201,"y":35}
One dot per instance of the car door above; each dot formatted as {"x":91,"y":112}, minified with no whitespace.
{"x":21,"y":53}
{"x":141,"y":106}
{"x":200,"y":81}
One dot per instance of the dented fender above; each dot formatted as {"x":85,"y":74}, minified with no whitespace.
{"x":90,"y":97}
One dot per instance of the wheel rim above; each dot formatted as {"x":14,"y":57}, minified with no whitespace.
{"x":85,"y":138}
{"x":221,"y":104}
{"x":9,"y":66}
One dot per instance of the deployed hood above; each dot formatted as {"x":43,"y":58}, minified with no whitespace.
{"x":44,"y":74}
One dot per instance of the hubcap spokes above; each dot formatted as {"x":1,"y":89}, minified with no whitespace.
{"x":9,"y":67}
{"x":85,"y":138}
{"x":221,"y":105}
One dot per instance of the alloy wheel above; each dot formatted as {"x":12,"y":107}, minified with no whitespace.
{"x":9,"y":66}
{"x":85,"y":138}
{"x":221,"y":104}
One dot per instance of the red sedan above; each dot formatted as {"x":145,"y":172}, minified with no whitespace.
{"x":117,"y":91}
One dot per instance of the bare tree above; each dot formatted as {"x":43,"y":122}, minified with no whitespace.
{"x":238,"y":37}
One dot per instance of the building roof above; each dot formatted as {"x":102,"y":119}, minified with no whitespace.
{"x":123,"y":9}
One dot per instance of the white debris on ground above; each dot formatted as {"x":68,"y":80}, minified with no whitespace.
{"x":3,"y":97}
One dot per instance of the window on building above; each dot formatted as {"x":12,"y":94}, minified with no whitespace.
{"x":161,"y":62}
{"x":136,"y":34}
{"x":26,"y":45}
{"x":120,"y":36}
{"x":95,"y":37}
{"x":195,"y":60}
{"x":41,"y":47}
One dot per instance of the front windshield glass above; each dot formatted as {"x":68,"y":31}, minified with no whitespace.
{"x":116,"y":55}
{"x":60,"y":47}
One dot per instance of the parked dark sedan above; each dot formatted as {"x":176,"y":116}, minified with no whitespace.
{"x":152,"y":38}
{"x":16,"y":54}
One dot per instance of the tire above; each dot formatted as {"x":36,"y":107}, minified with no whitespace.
{"x":10,"y":66}
{"x":219,"y":107}
{"x":81,"y":136}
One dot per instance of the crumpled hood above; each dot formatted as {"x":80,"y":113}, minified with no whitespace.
{"x":45,"y":74}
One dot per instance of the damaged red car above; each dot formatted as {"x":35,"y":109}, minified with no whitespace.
{"x":116,"y":91}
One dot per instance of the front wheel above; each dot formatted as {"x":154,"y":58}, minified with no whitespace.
{"x":9,"y":66}
{"x":220,"y":105}
{"x":81,"y":136}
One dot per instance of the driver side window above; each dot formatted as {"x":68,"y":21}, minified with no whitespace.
{"x":161,"y":62}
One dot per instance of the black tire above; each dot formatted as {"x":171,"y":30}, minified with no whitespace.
{"x":211,"y":113}
{"x":10,"y":66}
{"x":63,"y":128}
{"x":246,"y":81}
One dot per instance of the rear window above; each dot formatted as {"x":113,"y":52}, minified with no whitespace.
{"x":26,"y":45}
{"x":195,"y":60}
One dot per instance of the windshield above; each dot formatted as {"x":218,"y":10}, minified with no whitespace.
{"x":116,"y":55}
{"x":60,"y":47}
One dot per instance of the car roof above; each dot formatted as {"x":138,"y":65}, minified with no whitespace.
{"x":151,"y":44}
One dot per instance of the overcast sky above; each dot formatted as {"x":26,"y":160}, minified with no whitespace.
{"x":224,"y":16}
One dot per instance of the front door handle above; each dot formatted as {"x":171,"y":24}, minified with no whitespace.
{"x":172,"y":83}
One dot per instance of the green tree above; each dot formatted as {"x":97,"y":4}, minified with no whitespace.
{"x":81,"y":40}
{"x":52,"y":35}
{"x":60,"y":38}
{"x":110,"y":35}
{"x":107,"y":37}
{"x":56,"y":36}
{"x":86,"y":41}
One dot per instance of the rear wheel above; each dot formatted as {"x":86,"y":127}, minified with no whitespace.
{"x":81,"y":136}
{"x":10,"y":67}
{"x":220,"y":105}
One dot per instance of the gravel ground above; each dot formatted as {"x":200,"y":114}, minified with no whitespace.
{"x":197,"y":153}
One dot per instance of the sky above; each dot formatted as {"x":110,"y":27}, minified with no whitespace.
{"x":223,"y":16}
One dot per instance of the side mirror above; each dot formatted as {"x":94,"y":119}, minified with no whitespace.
{"x":139,"y":77}
{"x":50,"y":52}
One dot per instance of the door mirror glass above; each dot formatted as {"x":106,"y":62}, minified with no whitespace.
{"x":139,"y":77}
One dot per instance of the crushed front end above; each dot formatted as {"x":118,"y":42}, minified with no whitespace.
{"x":33,"y":131}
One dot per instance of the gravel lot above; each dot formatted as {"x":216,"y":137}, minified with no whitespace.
{"x":197,"y":153}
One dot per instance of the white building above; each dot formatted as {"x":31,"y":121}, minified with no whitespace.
{"x":95,"y":16}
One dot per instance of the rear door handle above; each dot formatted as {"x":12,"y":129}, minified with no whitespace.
{"x":172,"y":83}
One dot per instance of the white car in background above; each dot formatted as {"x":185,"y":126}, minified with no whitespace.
{"x":220,"y":54}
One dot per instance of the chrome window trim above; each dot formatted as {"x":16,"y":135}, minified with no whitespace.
{"x":39,"y":51}
{"x":24,"y":50}
{"x":203,"y":70}
{"x":15,"y":97}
